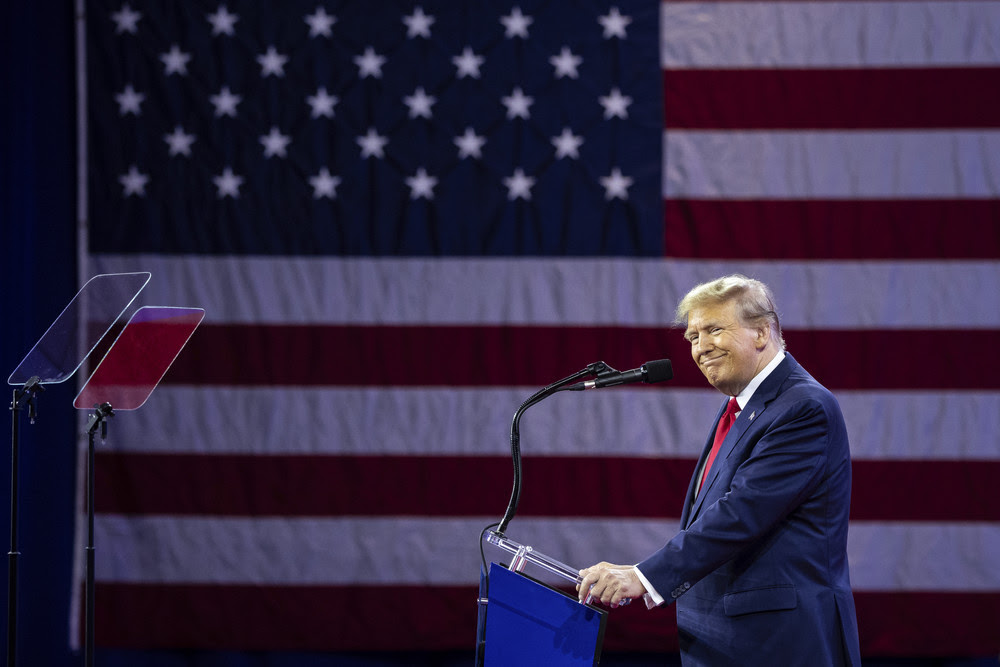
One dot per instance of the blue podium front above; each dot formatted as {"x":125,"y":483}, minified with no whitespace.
{"x":529,"y":623}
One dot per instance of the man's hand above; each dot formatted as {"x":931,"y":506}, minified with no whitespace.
{"x":609,"y":583}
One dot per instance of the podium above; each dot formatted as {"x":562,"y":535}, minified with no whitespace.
{"x":522,"y":621}
{"x":529,"y":623}
{"x":526,"y":622}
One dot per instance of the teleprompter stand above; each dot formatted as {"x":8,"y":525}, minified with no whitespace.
{"x":124,"y":380}
{"x":97,"y":420}
{"x":57,"y":355}
{"x":131,"y":367}
{"x":25,"y":396}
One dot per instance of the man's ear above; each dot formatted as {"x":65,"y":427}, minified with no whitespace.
{"x":763,"y":335}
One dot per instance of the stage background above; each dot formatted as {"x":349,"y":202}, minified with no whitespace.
{"x":284,"y":502}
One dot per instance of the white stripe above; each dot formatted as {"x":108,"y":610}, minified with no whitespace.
{"x":339,"y":551}
{"x":649,"y":422}
{"x":585,"y":292}
{"x":318,"y":551}
{"x":829,"y":34}
{"x":832,"y":164}
{"x":426,"y":421}
{"x":924,"y":556}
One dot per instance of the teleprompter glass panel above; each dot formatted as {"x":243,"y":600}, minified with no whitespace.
{"x":79,"y":328}
{"x":139,"y":357}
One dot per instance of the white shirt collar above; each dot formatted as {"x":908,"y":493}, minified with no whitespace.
{"x":744,"y":396}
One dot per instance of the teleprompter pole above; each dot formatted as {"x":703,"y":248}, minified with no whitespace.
{"x":23,"y":396}
{"x":101,"y":412}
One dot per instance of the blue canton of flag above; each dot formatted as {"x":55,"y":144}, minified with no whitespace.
{"x":387,"y":128}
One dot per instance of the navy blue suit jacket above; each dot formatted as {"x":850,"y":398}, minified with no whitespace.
{"x":759,"y":568}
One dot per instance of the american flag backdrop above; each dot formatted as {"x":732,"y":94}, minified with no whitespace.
{"x":403,"y":218}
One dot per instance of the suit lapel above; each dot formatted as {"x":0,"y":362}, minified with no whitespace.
{"x":732,"y":438}
{"x":765,"y":393}
{"x":689,"y":497}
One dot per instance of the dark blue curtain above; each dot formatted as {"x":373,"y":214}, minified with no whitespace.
{"x":37,"y":219}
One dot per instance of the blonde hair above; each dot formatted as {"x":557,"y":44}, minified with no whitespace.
{"x":754,"y":301}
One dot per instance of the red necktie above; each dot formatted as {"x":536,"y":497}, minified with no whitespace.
{"x":725,"y":423}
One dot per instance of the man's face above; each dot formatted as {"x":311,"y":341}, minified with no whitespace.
{"x":726,"y":351}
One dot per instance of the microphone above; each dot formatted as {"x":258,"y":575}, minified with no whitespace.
{"x":649,"y":372}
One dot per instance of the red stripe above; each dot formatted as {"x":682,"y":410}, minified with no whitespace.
{"x":471,"y":356}
{"x":413,"y":618}
{"x":849,"y":229}
{"x":239,"y":485}
{"x":313,"y":618}
{"x":925,"y":491}
{"x":928,"y":624}
{"x":849,"y":98}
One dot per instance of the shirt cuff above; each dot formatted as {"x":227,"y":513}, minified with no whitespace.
{"x":651,"y":593}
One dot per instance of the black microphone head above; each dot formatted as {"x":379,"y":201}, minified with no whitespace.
{"x":658,"y":371}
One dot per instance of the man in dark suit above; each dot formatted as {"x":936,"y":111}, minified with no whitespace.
{"x":759,"y":568}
